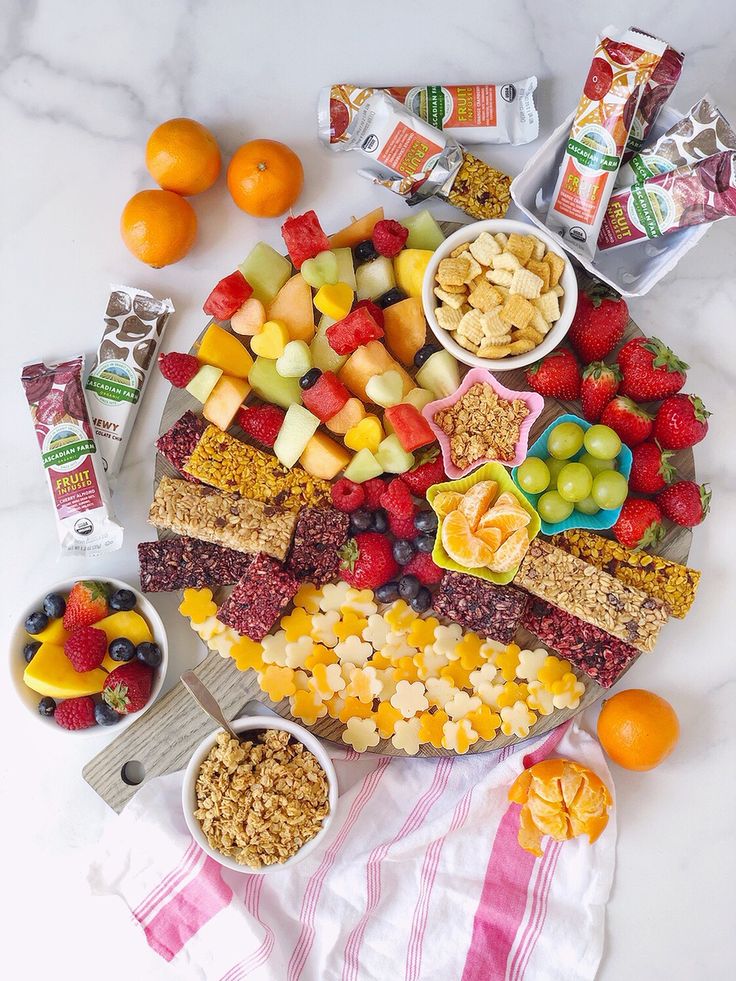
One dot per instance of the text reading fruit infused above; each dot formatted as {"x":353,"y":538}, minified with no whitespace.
{"x":406,"y":152}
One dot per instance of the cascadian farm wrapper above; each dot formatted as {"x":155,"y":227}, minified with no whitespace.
{"x":657,"y":90}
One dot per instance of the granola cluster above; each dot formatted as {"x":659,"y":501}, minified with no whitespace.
{"x":482,"y":426}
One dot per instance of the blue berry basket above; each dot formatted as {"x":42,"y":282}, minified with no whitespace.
{"x":605,"y":518}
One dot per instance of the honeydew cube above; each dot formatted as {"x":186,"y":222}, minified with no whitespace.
{"x":266,"y":271}
{"x":226,"y":398}
{"x":440,"y":373}
{"x":375,"y":278}
{"x":200,"y":387}
{"x":297,"y":429}
{"x":345,"y":267}
{"x":323,"y":356}
{"x":419,"y":397}
{"x":393,"y":457}
{"x":363,"y":466}
{"x":424,"y":232}
{"x":268,"y":384}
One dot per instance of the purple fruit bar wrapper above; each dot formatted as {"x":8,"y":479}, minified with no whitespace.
{"x":315,"y":553}
{"x":256,"y":602}
{"x":177,"y":443}
{"x":182,"y":563}
{"x":493,"y":611}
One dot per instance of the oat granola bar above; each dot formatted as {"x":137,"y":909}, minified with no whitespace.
{"x":479,"y":189}
{"x":256,"y":602}
{"x":229,"y":464}
{"x":181,"y":563}
{"x":319,"y":535}
{"x":178,"y":442}
{"x":224,"y":519}
{"x":482,"y":426}
{"x":579,"y":588}
{"x":674,"y":584}
{"x":493,"y":611}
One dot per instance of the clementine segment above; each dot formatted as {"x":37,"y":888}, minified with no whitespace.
{"x":158,"y":227}
{"x":507,"y":519}
{"x":638,"y":729}
{"x":491,"y":536}
{"x":446,"y":501}
{"x":461,"y":544}
{"x":509,"y":555}
{"x":265,"y":178}
{"x":477,"y":500}
{"x":183,"y":156}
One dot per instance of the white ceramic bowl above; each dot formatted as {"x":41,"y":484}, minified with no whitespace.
{"x":568,"y":302}
{"x":256,"y":723}
{"x":19,"y":637}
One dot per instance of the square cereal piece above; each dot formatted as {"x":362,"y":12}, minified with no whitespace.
{"x":471,"y":327}
{"x":465,"y":308}
{"x":484,"y":248}
{"x":528,"y":333}
{"x":517,"y":311}
{"x":475,"y":267}
{"x":453,"y":272}
{"x":448,"y":317}
{"x":484,"y":297}
{"x":557,"y":290}
{"x":539,"y":323}
{"x":459,"y":250}
{"x":454,"y":300}
{"x":501,"y":239}
{"x":525,"y":284}
{"x":506,"y":260}
{"x":499,"y":277}
{"x":494,"y":351}
{"x":522,"y":246}
{"x":466,"y":343}
{"x":548,"y":306}
{"x":556,"y":267}
{"x":522,"y":345}
{"x":539,"y":248}
{"x":542,"y":270}
{"x":481,"y":278}
{"x":449,"y":288}
{"x":492,"y":324}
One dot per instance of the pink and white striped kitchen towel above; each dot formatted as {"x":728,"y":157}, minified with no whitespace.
{"x":420,"y":878}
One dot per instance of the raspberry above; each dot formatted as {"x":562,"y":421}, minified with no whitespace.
{"x":373,"y":309}
{"x":261,"y":422}
{"x":179,"y":369}
{"x":347,"y":496}
{"x":76,"y":713}
{"x":402,"y":527}
{"x":373,"y":489}
{"x":424,"y":568}
{"x":86,"y":648}
{"x":389,"y":237}
{"x":396,"y":498}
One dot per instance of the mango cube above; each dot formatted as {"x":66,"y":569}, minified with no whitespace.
{"x":221,"y":349}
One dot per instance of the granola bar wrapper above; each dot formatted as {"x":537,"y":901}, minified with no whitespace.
{"x":74,"y":470}
{"x":657,"y":90}
{"x":623,"y":62}
{"x":693,"y":195}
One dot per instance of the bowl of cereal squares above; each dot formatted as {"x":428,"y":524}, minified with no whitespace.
{"x":499,"y":294}
{"x":262,"y":803}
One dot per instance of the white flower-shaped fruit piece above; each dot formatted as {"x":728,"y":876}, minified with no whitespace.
{"x":567,"y":692}
{"x":461,"y":704}
{"x":274,"y":648}
{"x":364,"y":684}
{"x":489,"y":693}
{"x":446,"y":640}
{"x":517,"y":720}
{"x":323,"y":627}
{"x":458,"y":736}
{"x":410,"y":698}
{"x":440,"y":691}
{"x":406,"y":736}
{"x":395,"y":649}
{"x":327,"y":679}
{"x":486,"y":674}
{"x":353,"y":650}
{"x":298,"y":651}
{"x":376,"y":633}
{"x":209,"y":628}
{"x":360,"y":734}
{"x":334,"y":596}
{"x":539,"y":699}
{"x":301,"y":680}
{"x":429,"y":663}
{"x":359,"y":601}
{"x":530,"y":662}
{"x":224,"y":642}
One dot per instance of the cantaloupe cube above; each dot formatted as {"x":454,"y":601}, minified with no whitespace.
{"x":348,"y":416}
{"x":405,"y":329}
{"x":226,"y":398}
{"x":51,"y":673}
{"x":370,"y":359}
{"x":357,"y":231}
{"x":323,"y":457}
{"x":223,"y":350}
{"x":292,"y":305}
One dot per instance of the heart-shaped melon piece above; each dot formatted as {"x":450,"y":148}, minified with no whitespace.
{"x":386,"y":389}
{"x":321,"y":270}
{"x":271,"y":340}
{"x":366,"y":435}
{"x":295,"y":361}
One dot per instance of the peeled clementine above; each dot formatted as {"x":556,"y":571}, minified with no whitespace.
{"x":182,"y":155}
{"x":461,"y":544}
{"x":638,"y":729}
{"x":159,"y":227}
{"x":265,"y":178}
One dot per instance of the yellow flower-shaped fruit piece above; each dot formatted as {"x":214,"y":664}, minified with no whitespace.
{"x":429,"y":663}
{"x":209,"y":628}
{"x":431,"y":727}
{"x":517,"y":720}
{"x":421,"y":632}
{"x":353,"y":650}
{"x":513,"y":691}
{"x":308,"y":706}
{"x":456,"y":673}
{"x":197,"y":605}
{"x":364,"y":684}
{"x":553,"y":669}
{"x":323,"y":627}
{"x":351,"y":625}
{"x":507,"y":662}
{"x":468,"y":651}
{"x":247,"y":654}
{"x":459,"y":736}
{"x":386,"y":717}
{"x":567,"y":692}
{"x":461,"y":704}
{"x":484,"y":722}
{"x":335,"y":705}
{"x":406,"y":736}
{"x":354,"y":707}
{"x":379,"y":660}
{"x":406,"y":670}
{"x":400,"y":616}
{"x":446,"y":639}
{"x":308,"y":597}
{"x":540,"y":699}
{"x":297,"y":624}
{"x":327,"y":680}
{"x":277,"y":682}
{"x":334,"y":596}
{"x":360,"y":733}
{"x":530,"y":663}
{"x":274,"y":648}
{"x":440,"y":691}
{"x":359,"y":601}
{"x":410,"y":698}
{"x":298,"y":652}
{"x":320,"y":655}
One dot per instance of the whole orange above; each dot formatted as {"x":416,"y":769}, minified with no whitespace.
{"x":182,"y":155}
{"x":265,"y":178}
{"x":638,"y":729}
{"x":159,"y":227}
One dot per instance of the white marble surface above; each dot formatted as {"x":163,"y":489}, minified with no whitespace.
{"x":81,"y":85}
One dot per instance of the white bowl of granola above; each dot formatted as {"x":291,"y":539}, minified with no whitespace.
{"x":231,"y":794}
{"x":499,"y":294}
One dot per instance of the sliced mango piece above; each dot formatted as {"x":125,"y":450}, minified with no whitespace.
{"x":124,"y":623}
{"x":54,"y":633}
{"x":223,"y":350}
{"x":51,"y":673}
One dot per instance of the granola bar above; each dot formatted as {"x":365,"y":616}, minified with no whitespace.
{"x":229,"y":464}
{"x":319,"y":535}
{"x":177,"y":443}
{"x":482,"y":426}
{"x":493,"y":611}
{"x":674,"y":584}
{"x":179,"y":563}
{"x":224,"y":519}
{"x":256,"y":602}
{"x":599,"y":655}
{"x":592,"y":595}
{"x":479,"y":189}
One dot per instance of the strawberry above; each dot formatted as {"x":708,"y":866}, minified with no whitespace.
{"x":87,"y":603}
{"x":428,"y":470}
{"x":396,"y":499}
{"x":261,"y":422}
{"x":389,"y":237}
{"x":373,"y":489}
{"x":424,"y":568}
{"x":402,"y":527}
{"x":640,"y":523}
{"x":599,"y":385}
{"x":85,"y":648}
{"x":598,"y":325}
{"x":685,"y":502}
{"x":632,"y":423}
{"x":128,"y":688}
{"x":179,"y":369}
{"x":76,"y":713}
{"x":681,"y":421}
{"x":347,"y":496}
{"x":651,"y":371}
{"x":556,"y":376}
{"x":368,"y":561}
{"x":650,"y":468}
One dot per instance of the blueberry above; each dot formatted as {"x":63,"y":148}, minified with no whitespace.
{"x":54,"y":605}
{"x":409,"y":587}
{"x":426,"y":521}
{"x":360,"y":520}
{"x":391,"y":296}
{"x":365,"y":251}
{"x":309,"y":379}
{"x":387,"y":593}
{"x":424,"y":354}
{"x":122,"y":599}
{"x":149,"y":654}
{"x":29,"y":651}
{"x":403,"y":550}
{"x":380,"y":521}
{"x":422,"y":601}
{"x":47,"y":707}
{"x":121,"y":649}
{"x":36,"y":622}
{"x":105,"y":715}
{"x":424,"y":542}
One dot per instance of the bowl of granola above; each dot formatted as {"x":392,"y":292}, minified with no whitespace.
{"x":263,"y":803}
{"x":499,"y":294}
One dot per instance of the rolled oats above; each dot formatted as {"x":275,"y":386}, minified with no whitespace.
{"x":482,"y":425}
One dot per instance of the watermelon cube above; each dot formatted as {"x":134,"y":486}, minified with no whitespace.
{"x":373,"y":309}
{"x":228,"y":296}
{"x":304,"y":237}
{"x":410,"y":426}
{"x":350,"y":333}
{"x":326,"y":397}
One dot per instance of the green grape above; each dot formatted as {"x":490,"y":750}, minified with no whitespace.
{"x":575,"y":482}
{"x":587,"y":506}
{"x":565,"y":440}
{"x":552,"y":508}
{"x":610,"y":489}
{"x":596,"y":466}
{"x":554,"y":467}
{"x":533,"y":475}
{"x":602,"y":442}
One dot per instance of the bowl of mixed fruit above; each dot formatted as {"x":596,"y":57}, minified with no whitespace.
{"x":88,"y":653}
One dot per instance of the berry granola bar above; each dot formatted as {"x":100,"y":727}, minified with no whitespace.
{"x":319,"y":535}
{"x":256,"y":602}
{"x":181,"y":563}
{"x":493,"y":611}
